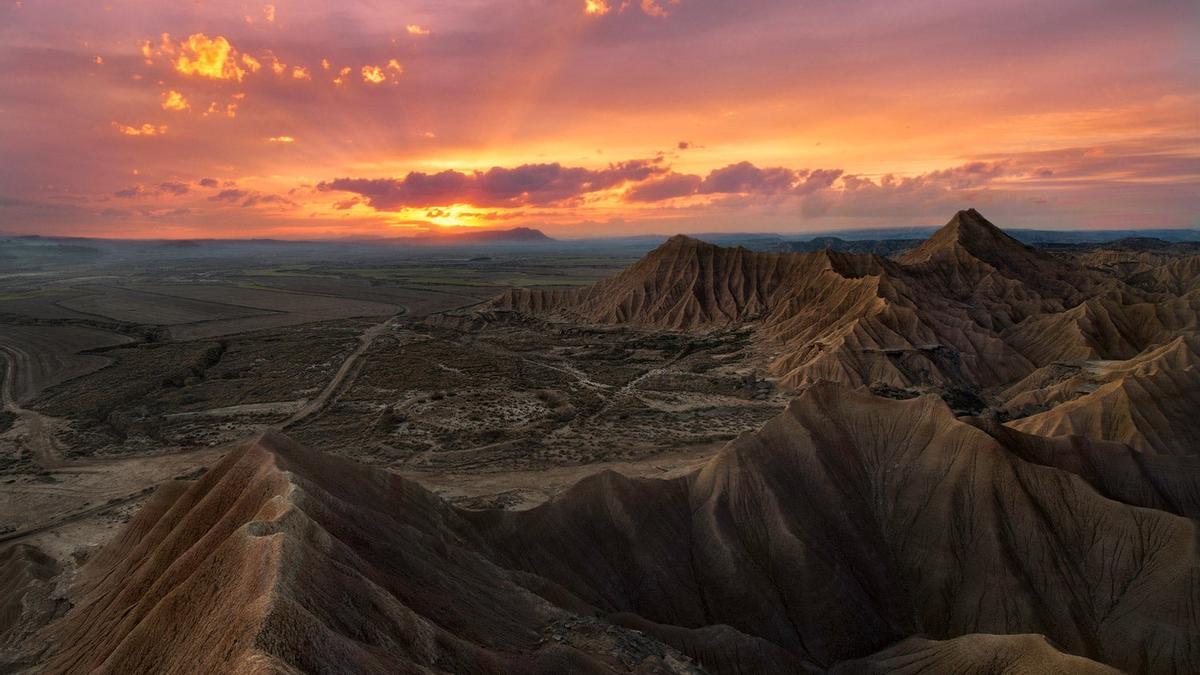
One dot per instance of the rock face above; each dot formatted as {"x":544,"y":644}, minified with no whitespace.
{"x":1151,"y":402}
{"x":836,"y":534}
{"x":285,"y":560}
{"x":933,"y":317}
{"x":970,"y":309}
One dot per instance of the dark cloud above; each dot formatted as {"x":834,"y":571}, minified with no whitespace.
{"x":924,"y":194}
{"x":261,"y":199}
{"x":169,"y":188}
{"x":973,"y":174}
{"x":742,"y":178}
{"x":131,"y":192}
{"x":208,"y":182}
{"x":230,"y":195}
{"x":817,"y":179}
{"x":526,"y":185}
{"x":745,"y":178}
{"x":669,"y":186}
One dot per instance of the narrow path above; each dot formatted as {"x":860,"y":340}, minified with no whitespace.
{"x":38,"y":437}
{"x":335,"y":384}
{"x":74,"y":517}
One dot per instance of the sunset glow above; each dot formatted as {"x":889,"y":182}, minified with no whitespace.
{"x":594,"y":118}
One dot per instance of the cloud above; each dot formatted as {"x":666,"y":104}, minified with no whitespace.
{"x":213,"y":58}
{"x":596,"y":7}
{"x":742,"y":178}
{"x":252,"y":64}
{"x":281,"y":139}
{"x":169,"y":188}
{"x":214,"y":108}
{"x":251,"y":198}
{"x":261,"y":199}
{"x":173,"y":100}
{"x":300,"y":73}
{"x":656,"y":8}
{"x":228,"y":195}
{"x":745,"y":178}
{"x":208,"y":182}
{"x":373,"y":74}
{"x":414,"y":29}
{"x":526,"y":185}
{"x":146,"y":129}
{"x":817,"y":179}
{"x":131,"y":192}
{"x":929,"y":193}
{"x":667,"y":187}
{"x":269,"y":13}
{"x":659,"y":8}
{"x":377,"y":74}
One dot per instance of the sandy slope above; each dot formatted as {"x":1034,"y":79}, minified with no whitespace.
{"x":934,"y":317}
{"x":838,"y":531}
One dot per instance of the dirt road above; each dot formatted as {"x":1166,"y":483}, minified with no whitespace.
{"x":317,"y":403}
{"x":35,"y":429}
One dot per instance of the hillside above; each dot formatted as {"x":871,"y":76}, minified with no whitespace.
{"x":966,"y":309}
{"x":892,"y":518}
{"x":971,"y":313}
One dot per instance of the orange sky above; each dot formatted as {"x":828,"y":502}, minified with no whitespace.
{"x":307,"y":119}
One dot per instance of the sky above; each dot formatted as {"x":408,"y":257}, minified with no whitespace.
{"x":584,"y":118}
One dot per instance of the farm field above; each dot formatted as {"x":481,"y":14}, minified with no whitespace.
{"x":468,"y":275}
{"x":141,"y":306}
{"x":274,"y":309}
{"x":43,"y":356}
{"x":41,"y":304}
{"x":418,"y":301}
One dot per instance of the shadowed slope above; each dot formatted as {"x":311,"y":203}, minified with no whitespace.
{"x":973,"y":655}
{"x":1150,"y":403}
{"x":27,"y":601}
{"x":285,"y":560}
{"x":851,"y":522}
{"x":1117,"y":471}
{"x":841,"y":528}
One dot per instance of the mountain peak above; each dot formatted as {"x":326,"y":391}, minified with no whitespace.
{"x":682,"y":240}
{"x":969,"y":231}
{"x":676,"y":245}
